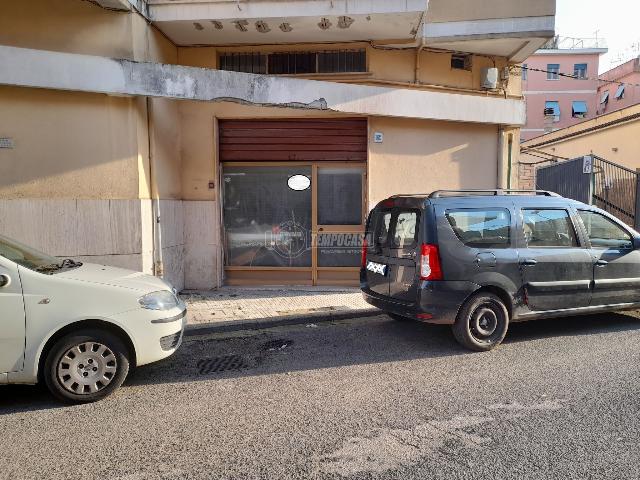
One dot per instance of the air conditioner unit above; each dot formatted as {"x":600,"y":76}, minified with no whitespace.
{"x":489,"y":78}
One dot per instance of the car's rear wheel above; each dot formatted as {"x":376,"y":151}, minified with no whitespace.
{"x":86,"y":366}
{"x":482,"y":322}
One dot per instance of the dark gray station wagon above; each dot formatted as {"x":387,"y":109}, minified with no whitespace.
{"x":480,"y":259}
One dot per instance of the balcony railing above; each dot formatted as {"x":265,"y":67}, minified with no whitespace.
{"x":571,"y":43}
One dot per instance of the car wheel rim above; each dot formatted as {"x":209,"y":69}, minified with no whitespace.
{"x":87,"y":368}
{"x":483,"y":322}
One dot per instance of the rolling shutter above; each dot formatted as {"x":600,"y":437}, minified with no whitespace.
{"x":298,"y":140}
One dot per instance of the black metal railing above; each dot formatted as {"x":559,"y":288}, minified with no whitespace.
{"x":596,"y":181}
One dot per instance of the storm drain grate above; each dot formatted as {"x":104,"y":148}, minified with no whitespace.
{"x":221,"y":364}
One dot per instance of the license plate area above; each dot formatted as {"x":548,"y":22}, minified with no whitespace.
{"x":378,"y":268}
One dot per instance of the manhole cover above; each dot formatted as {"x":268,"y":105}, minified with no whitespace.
{"x":274,"y":345}
{"x":221,"y":364}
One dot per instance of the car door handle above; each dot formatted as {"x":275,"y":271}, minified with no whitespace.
{"x":528,"y":262}
{"x":5,"y":280}
{"x":601,"y":263}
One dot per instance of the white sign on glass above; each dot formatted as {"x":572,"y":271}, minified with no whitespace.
{"x":299,"y":182}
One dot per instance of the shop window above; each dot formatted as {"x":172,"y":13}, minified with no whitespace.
{"x":580,"y":71}
{"x":579,"y":109}
{"x":296,"y":63}
{"x":461,"y":62}
{"x":340,"y":196}
{"x":552,"y":71}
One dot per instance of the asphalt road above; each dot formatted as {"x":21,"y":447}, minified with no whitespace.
{"x":366,"y":398}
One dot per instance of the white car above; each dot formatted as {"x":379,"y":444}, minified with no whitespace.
{"x":77,"y":327}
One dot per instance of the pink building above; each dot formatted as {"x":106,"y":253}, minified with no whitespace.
{"x":614,"y":96}
{"x":555,"y":101}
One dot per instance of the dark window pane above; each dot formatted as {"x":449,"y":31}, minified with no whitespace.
{"x":266,"y":222}
{"x":548,"y":228}
{"x":406,"y":230}
{"x":481,"y":228}
{"x":603,"y":232}
{"x":340,"y":196}
{"x":339,"y":249}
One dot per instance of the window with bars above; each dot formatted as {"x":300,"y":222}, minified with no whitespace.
{"x":296,"y":63}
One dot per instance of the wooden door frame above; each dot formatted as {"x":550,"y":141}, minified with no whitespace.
{"x":314,"y":268}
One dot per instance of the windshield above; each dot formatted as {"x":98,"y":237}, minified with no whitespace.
{"x":31,"y":258}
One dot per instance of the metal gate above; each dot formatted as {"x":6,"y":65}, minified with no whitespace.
{"x":595,"y":181}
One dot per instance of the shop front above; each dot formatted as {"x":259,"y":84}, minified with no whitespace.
{"x":294,"y":200}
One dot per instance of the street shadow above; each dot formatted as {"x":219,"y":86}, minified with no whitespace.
{"x":572,"y":326}
{"x":364,"y":341}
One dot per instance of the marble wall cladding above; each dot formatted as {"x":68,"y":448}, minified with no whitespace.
{"x":74,"y":228}
{"x":120,"y":233}
{"x":203,"y":261}
{"x":171,"y":229}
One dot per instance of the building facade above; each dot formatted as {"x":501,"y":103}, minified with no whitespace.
{"x":612,"y":136}
{"x":555,"y":100}
{"x":243,"y":142}
{"x":619,"y":87}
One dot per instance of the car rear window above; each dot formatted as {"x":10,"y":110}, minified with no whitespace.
{"x":393,"y":227}
{"x":405,"y":231}
{"x":481,"y":228}
{"x":379,"y":225}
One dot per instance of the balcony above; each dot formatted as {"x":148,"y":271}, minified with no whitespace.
{"x":513,"y":29}
{"x":220,"y":22}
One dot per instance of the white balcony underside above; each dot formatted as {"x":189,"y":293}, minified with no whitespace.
{"x":64,"y":71}
{"x":303,"y":30}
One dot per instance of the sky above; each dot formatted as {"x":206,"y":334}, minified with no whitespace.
{"x":618,"y":21}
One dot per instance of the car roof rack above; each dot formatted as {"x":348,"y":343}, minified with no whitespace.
{"x":491,"y":191}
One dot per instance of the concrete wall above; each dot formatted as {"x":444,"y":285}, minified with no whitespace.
{"x":67,"y":145}
{"x":385,"y":66}
{"x":80,"y":166}
{"x":421,"y":156}
{"x":445,"y":11}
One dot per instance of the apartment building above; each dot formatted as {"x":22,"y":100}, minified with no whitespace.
{"x":560,"y":84}
{"x":243,"y":141}
{"x":619,"y":87}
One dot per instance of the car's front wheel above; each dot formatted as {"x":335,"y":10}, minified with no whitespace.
{"x":86,"y":366}
{"x":482,"y":322}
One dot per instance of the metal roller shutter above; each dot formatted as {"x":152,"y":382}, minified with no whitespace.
{"x":341,"y":140}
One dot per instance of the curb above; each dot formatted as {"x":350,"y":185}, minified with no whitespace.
{"x":271,"y":322}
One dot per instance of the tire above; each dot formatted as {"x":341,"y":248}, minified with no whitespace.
{"x":399,"y":318}
{"x":482,"y":322}
{"x":86,"y":366}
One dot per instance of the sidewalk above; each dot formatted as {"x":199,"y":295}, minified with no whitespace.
{"x":236,"y":308}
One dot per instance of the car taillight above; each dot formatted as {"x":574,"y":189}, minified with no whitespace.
{"x":363,"y":260}
{"x":430,"y":263}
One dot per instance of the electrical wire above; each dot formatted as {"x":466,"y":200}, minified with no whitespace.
{"x":567,"y":75}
